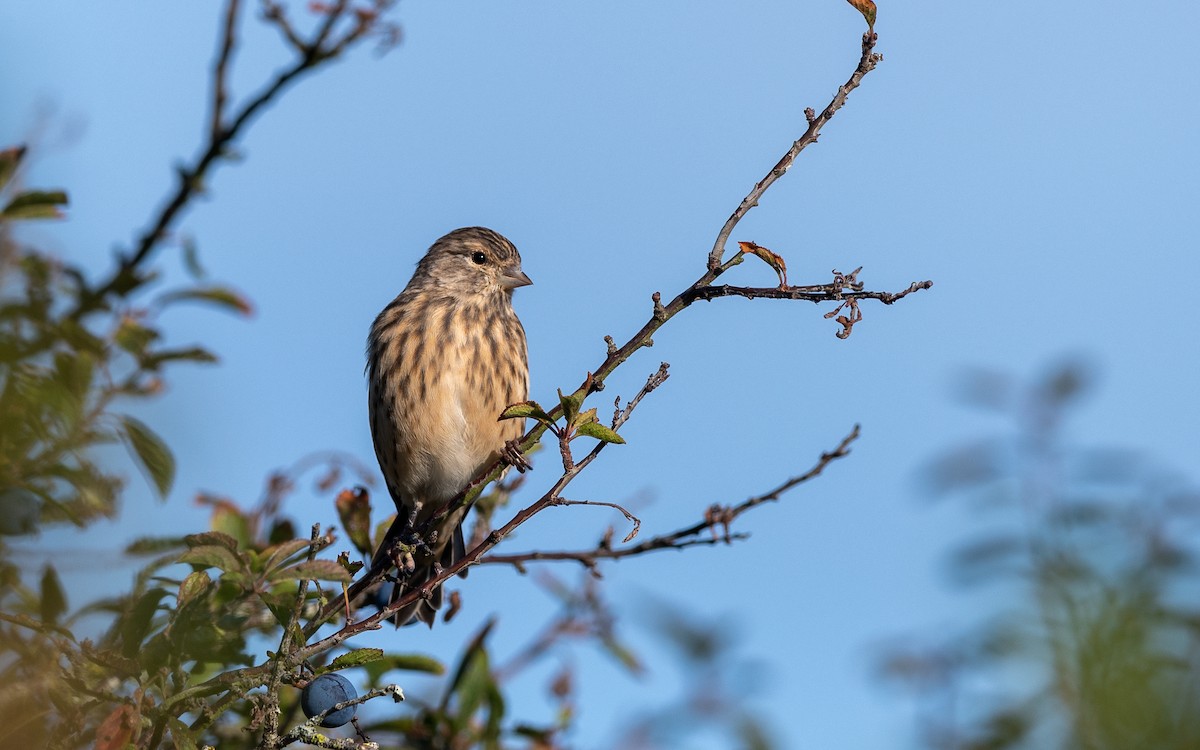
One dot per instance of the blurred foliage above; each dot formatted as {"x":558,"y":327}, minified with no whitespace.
{"x":719,"y":685}
{"x":1099,"y":648}
{"x":71,"y":352}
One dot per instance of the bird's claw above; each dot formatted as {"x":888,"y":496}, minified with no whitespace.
{"x":513,"y":455}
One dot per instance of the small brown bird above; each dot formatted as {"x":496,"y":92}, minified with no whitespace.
{"x":444,"y":359}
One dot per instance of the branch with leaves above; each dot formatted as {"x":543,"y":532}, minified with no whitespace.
{"x":165,"y":671}
{"x":567,"y":420}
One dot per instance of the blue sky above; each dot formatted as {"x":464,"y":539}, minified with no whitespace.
{"x":1036,"y":160}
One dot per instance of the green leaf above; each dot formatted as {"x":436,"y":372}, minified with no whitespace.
{"x":35,"y":204}
{"x":350,"y":566}
{"x":313,"y":570}
{"x":136,"y":625}
{"x":355,"y":658}
{"x":152,"y":453}
{"x":152,"y":360}
{"x":526,"y":410}
{"x":600,"y":432}
{"x":74,"y":373}
{"x":474,"y":683}
{"x":624,"y":655}
{"x":585,"y":417}
{"x":474,"y":651}
{"x":211,"y":537}
{"x":181,"y":735}
{"x":279,"y":553}
{"x":212,"y":556}
{"x":232,"y":522}
{"x":134,"y":337}
{"x":153,"y":545}
{"x":354,"y":511}
{"x":10,"y":159}
{"x":415,"y":663}
{"x":53,"y":599}
{"x":570,"y":405}
{"x":405,"y":662}
{"x":217,"y":295}
{"x":191,"y":258}
{"x":194,"y":586}
{"x":280,"y":604}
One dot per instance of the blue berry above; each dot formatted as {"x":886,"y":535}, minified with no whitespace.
{"x":324,"y":693}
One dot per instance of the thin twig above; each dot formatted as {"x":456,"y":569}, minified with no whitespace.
{"x":689,"y":536}
{"x":866,"y":64}
{"x":274,"y":13}
{"x":191,"y":178}
{"x":220,"y":81}
{"x":657,"y":378}
{"x":637,"y":522}
{"x":333,"y":14}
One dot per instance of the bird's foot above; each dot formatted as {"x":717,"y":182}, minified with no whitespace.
{"x":511,"y":452}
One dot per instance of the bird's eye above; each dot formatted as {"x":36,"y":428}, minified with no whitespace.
{"x":478,"y":258}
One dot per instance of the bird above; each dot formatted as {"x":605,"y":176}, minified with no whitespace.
{"x":444,"y":360}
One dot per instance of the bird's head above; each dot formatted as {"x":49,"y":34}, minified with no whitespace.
{"x":474,"y":260}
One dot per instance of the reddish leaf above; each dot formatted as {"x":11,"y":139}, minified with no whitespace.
{"x":867,"y":8}
{"x":772,"y":259}
{"x":354,"y":510}
{"x":116,"y":731}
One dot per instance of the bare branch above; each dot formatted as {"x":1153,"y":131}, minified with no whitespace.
{"x":866,"y":64}
{"x":313,"y":55}
{"x":818,"y":293}
{"x":637,"y":522}
{"x":220,"y":82}
{"x":656,"y":379}
{"x":715,"y":516}
{"x":274,"y":14}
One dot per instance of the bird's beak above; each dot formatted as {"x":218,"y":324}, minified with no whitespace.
{"x":514,"y":277}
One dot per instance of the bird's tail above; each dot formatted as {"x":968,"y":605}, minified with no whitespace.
{"x":424,"y":610}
